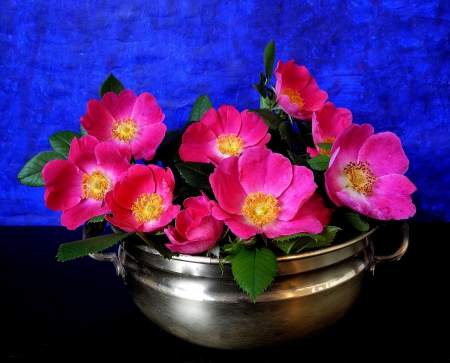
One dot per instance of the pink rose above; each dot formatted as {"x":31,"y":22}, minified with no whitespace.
{"x":196,"y":230}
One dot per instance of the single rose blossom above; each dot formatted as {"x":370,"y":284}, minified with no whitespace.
{"x":261,"y":192}
{"x":366,"y":174}
{"x":77,"y":186}
{"x":221,"y":134}
{"x":131,"y":121}
{"x":196,"y":230}
{"x":327,"y":124}
{"x":142,"y":199}
{"x":297,"y":92}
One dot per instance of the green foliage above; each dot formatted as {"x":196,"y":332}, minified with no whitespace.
{"x":60,"y":141}
{"x":355,"y":219}
{"x":286,"y":134}
{"x":320,"y":162}
{"x":196,"y":174}
{"x":111,"y":84}
{"x":158,"y":242}
{"x":305,"y":241}
{"x":31,"y":172}
{"x":269,"y":59}
{"x":76,"y":249}
{"x":254,"y":270}
{"x":201,"y":105}
{"x":271,"y":119}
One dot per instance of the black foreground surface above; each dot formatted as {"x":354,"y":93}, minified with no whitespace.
{"x":81,"y":308}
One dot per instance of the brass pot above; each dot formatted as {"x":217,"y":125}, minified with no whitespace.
{"x":190,"y":297}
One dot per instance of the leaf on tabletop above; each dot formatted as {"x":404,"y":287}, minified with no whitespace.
{"x":196,"y":174}
{"x":72,"y":250}
{"x":254,"y":270}
{"x":111,"y":84}
{"x":61,"y":141}
{"x":201,"y":105}
{"x":31,"y":172}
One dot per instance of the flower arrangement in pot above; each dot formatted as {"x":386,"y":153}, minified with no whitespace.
{"x":244,"y":186}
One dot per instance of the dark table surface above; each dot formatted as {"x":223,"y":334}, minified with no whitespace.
{"x":81,"y":309}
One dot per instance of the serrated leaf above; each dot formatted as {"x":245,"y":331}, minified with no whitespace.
{"x":320,"y":162}
{"x":31,"y":172}
{"x":271,"y":119}
{"x":196,"y":174}
{"x":305,"y":241}
{"x":298,"y":160}
{"x":354,"y":218}
{"x":201,"y":105}
{"x":254,"y":270}
{"x":286,"y":133}
{"x":111,"y":84}
{"x":269,"y":59}
{"x":296,"y":243}
{"x":60,"y":141}
{"x":158,"y":243}
{"x":71,"y":250}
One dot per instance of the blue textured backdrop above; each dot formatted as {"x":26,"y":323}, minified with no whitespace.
{"x":386,"y":61}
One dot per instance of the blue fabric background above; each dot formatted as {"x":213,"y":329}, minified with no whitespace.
{"x":386,"y":61}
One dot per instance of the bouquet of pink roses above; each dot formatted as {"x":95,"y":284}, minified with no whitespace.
{"x":245,"y":186}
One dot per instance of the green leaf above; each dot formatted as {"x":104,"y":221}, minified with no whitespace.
{"x":325,"y":145}
{"x":201,"y":105}
{"x":61,"y":141}
{"x":260,"y":87}
{"x":286,"y":133}
{"x":355,"y":219}
{"x":269,"y":59}
{"x":72,"y":250}
{"x":254,"y":270}
{"x":111,"y":84}
{"x":298,"y":160}
{"x":305,"y":241}
{"x":196,"y":174}
{"x":31,"y":172}
{"x":158,"y":242}
{"x":320,"y":162}
{"x":271,"y":119}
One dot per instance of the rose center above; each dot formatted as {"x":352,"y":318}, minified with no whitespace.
{"x":230,"y":144}
{"x":147,"y":207}
{"x":94,"y":185}
{"x":260,"y":208}
{"x":124,"y":129}
{"x":360,"y":177}
{"x":294,"y":96}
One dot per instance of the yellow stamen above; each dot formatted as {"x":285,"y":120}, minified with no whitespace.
{"x":147,"y":207}
{"x":360,"y":177}
{"x":294,"y":96}
{"x":260,"y":208}
{"x":124,"y":129}
{"x":94,"y":185}
{"x":230,"y":145}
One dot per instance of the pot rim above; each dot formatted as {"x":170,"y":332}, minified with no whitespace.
{"x":212,"y":260}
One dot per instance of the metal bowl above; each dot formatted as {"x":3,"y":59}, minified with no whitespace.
{"x":190,"y":297}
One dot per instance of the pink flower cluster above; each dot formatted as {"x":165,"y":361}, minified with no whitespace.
{"x":256,"y":191}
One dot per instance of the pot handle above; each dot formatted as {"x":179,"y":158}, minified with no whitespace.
{"x":375,"y":260}
{"x":90,"y":229}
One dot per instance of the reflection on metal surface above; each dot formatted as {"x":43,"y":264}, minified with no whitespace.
{"x":190,"y":297}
